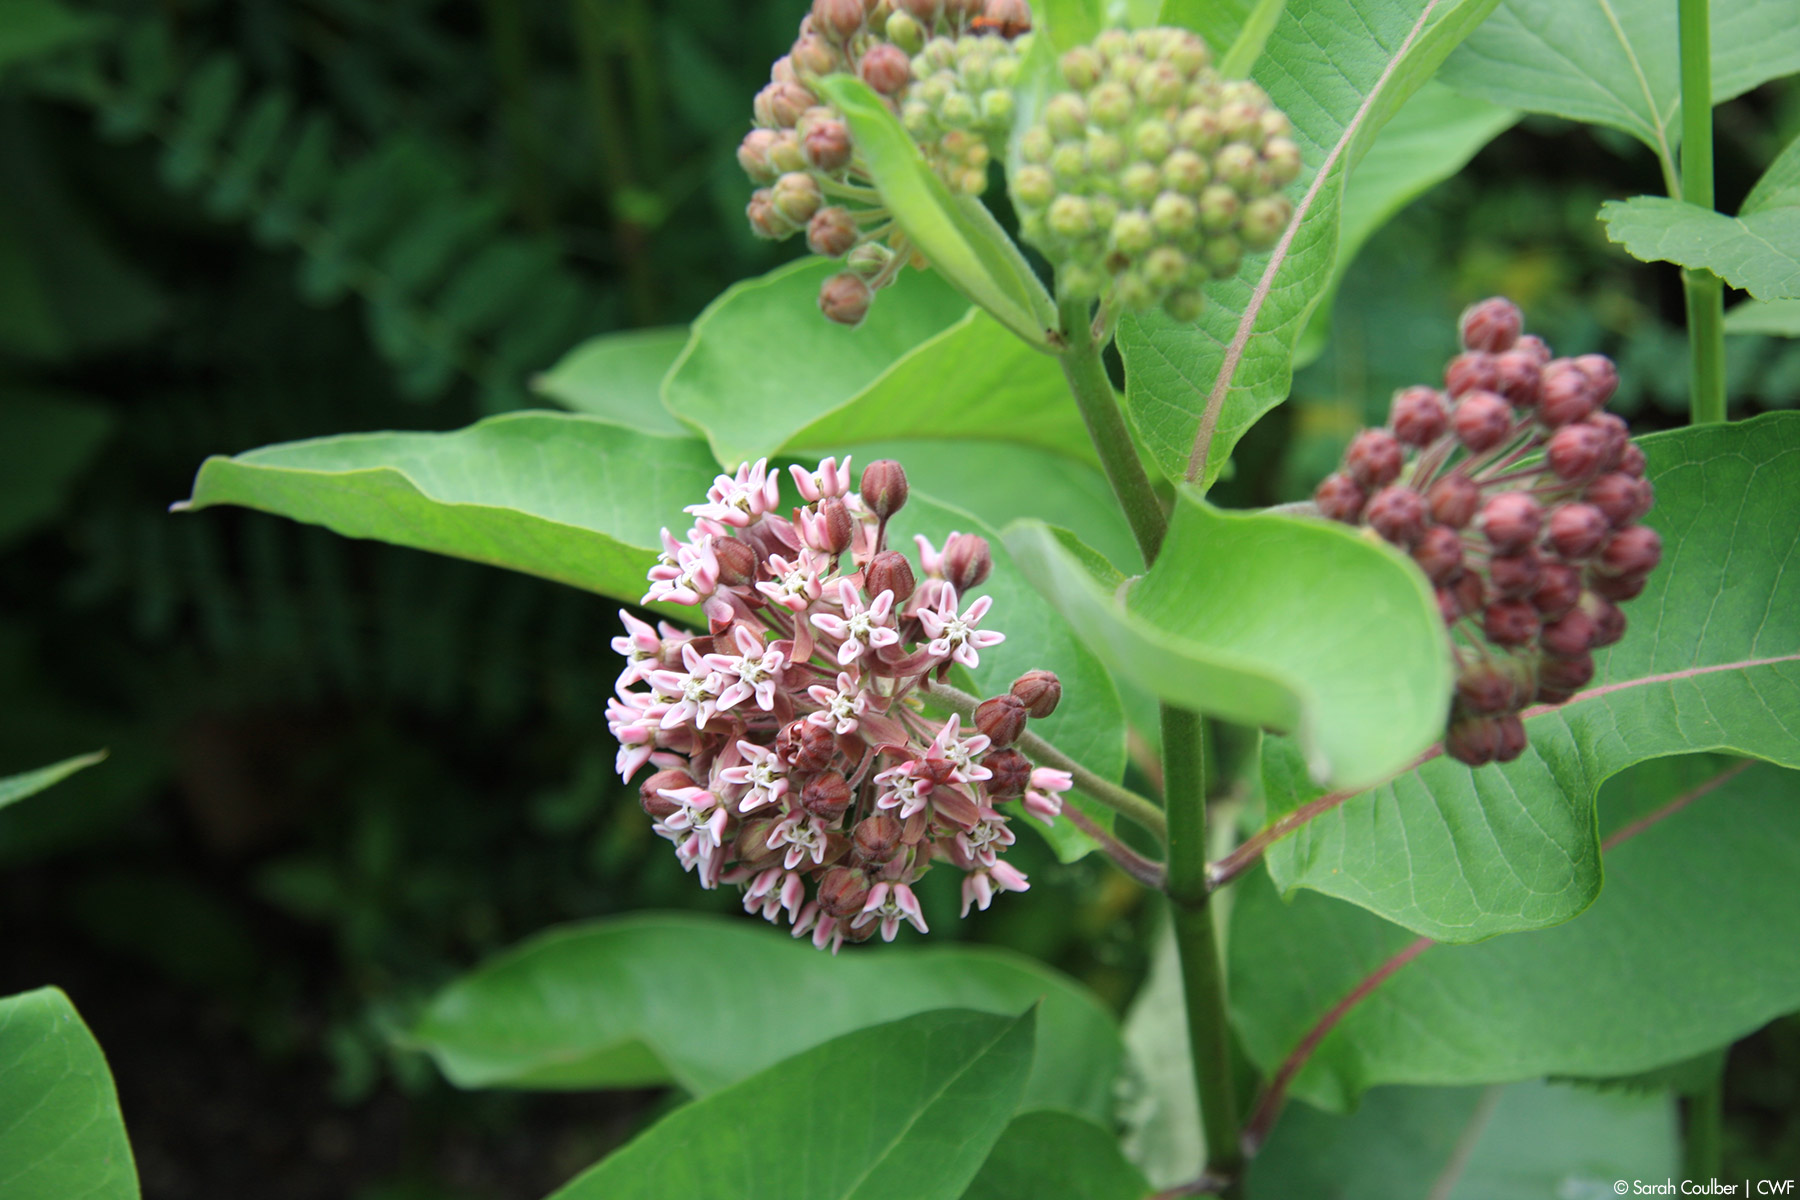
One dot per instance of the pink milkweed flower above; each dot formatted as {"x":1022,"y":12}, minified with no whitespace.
{"x":773,"y":890}
{"x":740,"y":499}
{"x":906,"y":790}
{"x":803,"y":834}
{"x":693,"y":694}
{"x":984,"y":842}
{"x":763,"y":771}
{"x":838,"y":709}
{"x":861,"y":629}
{"x":752,"y":671}
{"x":978,"y":886}
{"x":684,"y":573}
{"x":829,"y":480}
{"x":891,"y":903}
{"x":640,"y":646}
{"x":960,"y":752}
{"x":825,"y":930}
{"x":931,"y":559}
{"x":796,"y":581}
{"x":634,"y":719}
{"x":1043,"y":798}
{"x":954,"y":636}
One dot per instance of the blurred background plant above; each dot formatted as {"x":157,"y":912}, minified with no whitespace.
{"x":342,"y":772}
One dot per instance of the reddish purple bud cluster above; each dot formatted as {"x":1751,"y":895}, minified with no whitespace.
{"x":1519,"y":497}
{"x":791,"y":754}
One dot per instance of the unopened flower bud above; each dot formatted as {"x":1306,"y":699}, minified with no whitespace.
{"x":1476,"y":371}
{"x":1577,"y":529}
{"x":1560,"y":678}
{"x":1570,"y":635}
{"x":1567,"y":394}
{"x":1492,"y":325}
{"x":876,"y":837}
{"x":1633,"y":551}
{"x":1265,"y":220}
{"x":737,"y":561}
{"x":889,"y":571}
{"x":753,"y":155}
{"x":1473,"y":740}
{"x":1602,"y":373}
{"x":1512,"y":740}
{"x":787,"y":154}
{"x":1001,"y":719}
{"x":1039,"y":692}
{"x":967,"y":561}
{"x":1511,"y":521}
{"x":1033,"y":186}
{"x":1111,"y":104}
{"x":1485,"y":687}
{"x":925,"y":12}
{"x":1439,"y":553}
{"x":843,"y":891}
{"x":1518,"y":377}
{"x":751,"y":845}
{"x":1576,"y":452}
{"x":1482,"y":420}
{"x":1453,"y":500}
{"x":1397,"y":514}
{"x":1558,"y":590}
{"x":845,"y":298}
{"x":826,"y":795}
{"x":884,"y":488}
{"x":1515,"y":574}
{"x":904,"y":30}
{"x":1066,"y":116}
{"x":796,"y":197}
{"x":659,"y":806}
{"x":1470,"y":592}
{"x":1510,"y":622}
{"x":780,"y":104}
{"x":886,"y":68}
{"x":805,"y":747}
{"x":1011,"y":772}
{"x":1081,"y":68}
{"x":812,"y":56}
{"x":1620,"y":497}
{"x":837,"y":523}
{"x":832,"y":232}
{"x":1374,"y":458}
{"x":838,"y":18}
{"x":1418,"y":416}
{"x":1070,"y":217}
{"x":765,"y":222}
{"x":1631,"y":460}
{"x":827,"y":146}
{"x":1340,"y":498}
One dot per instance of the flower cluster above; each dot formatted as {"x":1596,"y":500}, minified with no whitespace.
{"x":1519,"y":497}
{"x":953,"y":95}
{"x":1152,"y":175}
{"x":792,"y":757}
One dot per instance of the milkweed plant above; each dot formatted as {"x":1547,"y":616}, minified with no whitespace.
{"x":877,"y":630}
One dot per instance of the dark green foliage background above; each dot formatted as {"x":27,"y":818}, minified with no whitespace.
{"x":341,"y":772}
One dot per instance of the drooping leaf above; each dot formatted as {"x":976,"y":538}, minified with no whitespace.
{"x":637,"y":1001}
{"x":1694,"y":942}
{"x":1774,"y":318}
{"x":904,"y":1111}
{"x":1269,"y":620}
{"x":618,"y":377}
{"x":1759,"y":253}
{"x":1056,"y":1154}
{"x":1615,"y":62}
{"x":567,"y":497}
{"x":956,"y":234}
{"x":46,"y":440}
{"x":61,"y":1135}
{"x":1779,"y":186}
{"x":1524,"y":1142}
{"x":14,"y":788}
{"x":1710,"y":661}
{"x":1339,"y":69}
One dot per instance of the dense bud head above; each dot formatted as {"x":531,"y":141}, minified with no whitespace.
{"x":1518,"y":377}
{"x":1453,"y":500}
{"x":1374,"y":458}
{"x":1621,"y":498}
{"x":1418,"y":416}
{"x":1512,"y":739}
{"x":737,"y":561}
{"x":884,"y":487}
{"x":886,"y":68}
{"x":1039,"y":691}
{"x":838,"y":18}
{"x":805,"y":747}
{"x":826,"y":795}
{"x":876,"y":837}
{"x":832,"y":232}
{"x":1485,"y":686}
{"x":796,"y":196}
{"x":1516,"y":574}
{"x":889,"y":571}
{"x":1510,"y":622}
{"x":1576,"y":530}
{"x":1397,"y":514}
{"x":1476,"y":371}
{"x":1011,"y":772}
{"x":1001,"y":719}
{"x":1560,"y":678}
{"x":967,"y":561}
{"x":1482,"y":420}
{"x":1567,"y":395}
{"x":1576,"y":452}
{"x":1511,"y":521}
{"x":1439,"y":553}
{"x":1473,"y":740}
{"x":1492,"y":325}
{"x":1569,"y":636}
{"x":827,"y":146}
{"x":1632,"y":552}
{"x":753,"y":155}
{"x":1558,"y":590}
{"x":845,"y":298}
{"x":1340,"y":498}
{"x":659,"y":806}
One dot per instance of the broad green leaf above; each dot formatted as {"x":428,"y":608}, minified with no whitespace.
{"x":61,"y":1135}
{"x":46,"y":441}
{"x":618,"y":377}
{"x":1269,"y":620}
{"x":1779,"y":186}
{"x":1775,"y":318}
{"x":1525,"y":1142}
{"x":1759,"y":254}
{"x":636,"y":1001}
{"x":1710,"y":661}
{"x":1071,"y":22}
{"x":1089,"y":724}
{"x":956,"y":234}
{"x":1220,"y":22}
{"x":1058,"y":1154}
{"x":1251,"y":40}
{"x":567,"y":497}
{"x":1615,"y":62}
{"x":904,"y":1111}
{"x":29,"y":28}
{"x":14,"y":788}
{"x":1339,"y":69}
{"x":1430,"y":139}
{"x":1157,"y":1103}
{"x":1694,"y":942}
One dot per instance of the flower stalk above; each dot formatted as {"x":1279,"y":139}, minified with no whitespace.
{"x":1703,"y":291}
{"x":1093,"y":391}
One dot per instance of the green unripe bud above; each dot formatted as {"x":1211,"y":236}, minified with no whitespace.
{"x":1236,"y":164}
{"x":1198,"y":129}
{"x":796,"y":196}
{"x":1081,"y":68}
{"x":1079,"y":282}
{"x":1165,"y":267}
{"x":1185,"y":306}
{"x":976,"y":74}
{"x":1132,"y":233}
{"x":811,"y":56}
{"x":753,"y":155}
{"x":1241,"y":121}
{"x":1153,"y":140}
{"x":1185,"y":172}
{"x":1274,"y":124}
{"x":1036,"y":145}
{"x":996,"y":109}
{"x":1282,"y":157}
{"x":1066,"y":116}
{"x":940,"y":54}
{"x":1032,"y":227}
{"x":1264,"y":220}
{"x":1140,"y":182}
{"x":905,"y":32}
{"x":765,"y":222}
{"x":957,"y":110}
{"x":1131,"y":290}
{"x":1126,"y":67}
{"x":869,"y":259}
{"x":1105,"y":153}
{"x":1222,"y":255}
{"x":1188,"y":55}
{"x":1106,"y":210}
{"x":972,"y":181}
{"x":786,"y":154}
{"x":1033,"y":186}
{"x":1111,"y":104}
{"x":1218,"y":208}
{"x":919,"y":120}
{"x":1159,"y":84}
{"x":933,"y":90}
{"x":1174,"y":215}
{"x":1231,"y":91}
{"x":1069,"y":164}
{"x":1070,"y":217}
{"x":1112,"y":44}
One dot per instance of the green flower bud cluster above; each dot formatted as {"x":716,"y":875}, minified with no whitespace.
{"x":800,"y":152}
{"x":1151,"y":175}
{"x":960,"y":106}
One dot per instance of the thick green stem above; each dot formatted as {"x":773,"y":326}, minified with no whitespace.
{"x":1202,"y":970}
{"x":1705,"y":1123}
{"x":1086,"y":374}
{"x":1704,"y":292}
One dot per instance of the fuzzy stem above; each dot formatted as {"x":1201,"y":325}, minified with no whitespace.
{"x":1196,"y":937}
{"x":1704,"y":292}
{"x":1106,"y":426}
{"x":1123,"y":801}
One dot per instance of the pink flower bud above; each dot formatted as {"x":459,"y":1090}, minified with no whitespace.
{"x":1620,"y":497}
{"x":812,"y":56}
{"x":967,"y":561}
{"x":1576,"y":529}
{"x":780,"y":104}
{"x":884,"y":488}
{"x":804,"y":746}
{"x":1397,"y":514}
{"x":886,"y":68}
{"x":1558,"y":590}
{"x":1631,"y":460}
{"x":1567,"y":396}
{"x":1001,"y":720}
{"x":889,"y":571}
{"x":1633,"y":551}
{"x":765,"y":222}
{"x":1618,"y":587}
{"x":827,"y":146}
{"x":1609,"y":621}
{"x":1340,"y":498}
{"x":1569,"y":636}
{"x":1474,"y":372}
{"x":1482,"y":420}
{"x":826,"y":795}
{"x":1011,"y":772}
{"x":1518,"y":378}
{"x":1418,"y":416}
{"x":737,"y":561}
{"x":1492,"y":325}
{"x":837,"y":18}
{"x":1439,"y":553}
{"x":1515,"y":574}
{"x":654,"y":803}
{"x":1561,"y":678}
{"x":1473,"y":740}
{"x":1510,"y":622}
{"x":1512,"y":740}
{"x":845,"y":298}
{"x":1484,"y":687}
{"x":1470,"y":591}
{"x":876,"y":837}
{"x":1374,"y":458}
{"x":1602,"y":373}
{"x":843,"y":891}
{"x":1039,"y":692}
{"x":924,"y":11}
{"x":1576,"y":452}
{"x":1536,"y":347}
{"x":753,"y":155}
{"x":1511,"y":521}
{"x":1453,"y":500}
